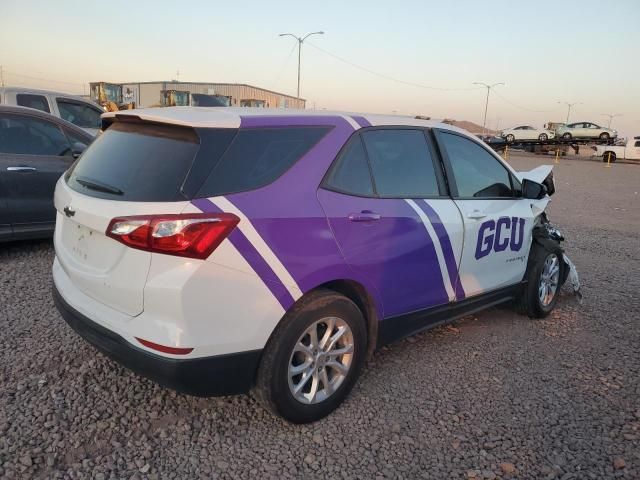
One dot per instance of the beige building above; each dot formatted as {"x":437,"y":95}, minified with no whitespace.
{"x":148,"y":94}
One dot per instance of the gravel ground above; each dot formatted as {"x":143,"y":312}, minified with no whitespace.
{"x":492,"y":396}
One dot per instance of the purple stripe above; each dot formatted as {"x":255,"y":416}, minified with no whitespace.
{"x":447,"y":249}
{"x":287,"y":213}
{"x":252,"y":256}
{"x":363,"y":122}
{"x":288,"y":120}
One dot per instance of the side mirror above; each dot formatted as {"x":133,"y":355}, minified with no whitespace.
{"x":77,"y":148}
{"x":533,"y":190}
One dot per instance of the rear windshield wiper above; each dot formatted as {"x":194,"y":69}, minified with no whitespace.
{"x":98,"y":186}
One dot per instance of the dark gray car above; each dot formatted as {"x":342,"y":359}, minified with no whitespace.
{"x":35,"y":149}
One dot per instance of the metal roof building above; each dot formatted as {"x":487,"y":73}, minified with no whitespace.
{"x":148,"y":94}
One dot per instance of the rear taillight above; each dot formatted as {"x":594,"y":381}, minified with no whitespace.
{"x":193,"y":235}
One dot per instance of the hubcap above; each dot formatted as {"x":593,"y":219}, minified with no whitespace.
{"x":549,"y":280}
{"x":320,"y":360}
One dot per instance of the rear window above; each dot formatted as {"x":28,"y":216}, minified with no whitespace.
{"x":39,"y":102}
{"x":258,"y":156}
{"x":136,"y":162}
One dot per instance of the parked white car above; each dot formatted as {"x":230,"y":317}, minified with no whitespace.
{"x":629,"y":151}
{"x":526,"y":132}
{"x":77,"y":110}
{"x":585,"y":130}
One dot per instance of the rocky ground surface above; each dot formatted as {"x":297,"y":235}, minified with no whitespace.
{"x":491,"y":396}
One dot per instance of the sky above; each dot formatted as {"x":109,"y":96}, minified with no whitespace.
{"x":373,"y":57}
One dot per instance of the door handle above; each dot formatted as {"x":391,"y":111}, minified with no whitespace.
{"x":364,"y":216}
{"x":476,"y":215}
{"x":21,"y":169}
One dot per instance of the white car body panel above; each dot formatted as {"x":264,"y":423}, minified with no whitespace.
{"x":528,"y":133}
{"x":164,"y":299}
{"x":630,"y":151}
{"x":498,"y":268}
{"x":537,"y":174}
{"x":101,"y":267}
{"x":198,"y":304}
{"x":585,"y":130}
{"x":229,"y":117}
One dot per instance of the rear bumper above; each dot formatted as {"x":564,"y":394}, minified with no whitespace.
{"x":227,"y":374}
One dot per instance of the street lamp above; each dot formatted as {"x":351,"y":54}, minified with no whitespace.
{"x":611,"y":115}
{"x":300,"y":41}
{"x":569,"y":109}
{"x":486,"y":104}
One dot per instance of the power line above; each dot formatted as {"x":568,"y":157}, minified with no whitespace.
{"x":387,"y":77}
{"x":521,"y":107}
{"x":43,"y":79}
{"x":284,"y":65}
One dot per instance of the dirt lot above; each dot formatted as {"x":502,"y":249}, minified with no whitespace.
{"x":494,"y":396}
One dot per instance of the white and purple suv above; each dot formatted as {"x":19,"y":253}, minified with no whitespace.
{"x":218,"y":251}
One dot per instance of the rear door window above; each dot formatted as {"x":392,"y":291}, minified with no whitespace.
{"x":78,"y":113}
{"x":136,"y":162}
{"x":351,"y":174}
{"x":258,"y":156}
{"x":401,"y":163}
{"x":39,"y":102}
{"x":27,"y":135}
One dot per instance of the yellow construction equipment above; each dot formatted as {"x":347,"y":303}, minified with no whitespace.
{"x":174,"y":98}
{"x":109,"y":95}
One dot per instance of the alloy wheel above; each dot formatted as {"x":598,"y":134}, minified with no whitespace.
{"x":320,"y":360}
{"x":549,"y":280}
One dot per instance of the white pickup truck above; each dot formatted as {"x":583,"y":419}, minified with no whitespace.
{"x":630,"y":151}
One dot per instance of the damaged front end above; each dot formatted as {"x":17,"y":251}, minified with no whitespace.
{"x":543,"y":233}
{"x":547,"y":234}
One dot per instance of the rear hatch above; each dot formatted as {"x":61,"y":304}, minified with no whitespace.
{"x":131,"y":169}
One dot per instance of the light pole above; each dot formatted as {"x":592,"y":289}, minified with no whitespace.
{"x":569,"y":109}
{"x":611,"y":115}
{"x":300,"y":41}
{"x":486,"y":104}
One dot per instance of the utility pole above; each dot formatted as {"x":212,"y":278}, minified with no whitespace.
{"x":569,"y":109}
{"x":486,"y":104}
{"x":610,"y":115}
{"x":300,"y":41}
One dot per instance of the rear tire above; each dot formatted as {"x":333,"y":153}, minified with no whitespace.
{"x":544,"y":279}
{"x":292,"y":358}
{"x":543,"y":137}
{"x":566,"y":136}
{"x":605,"y":157}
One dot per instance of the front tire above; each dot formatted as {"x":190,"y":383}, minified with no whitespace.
{"x":544,"y":279}
{"x":313,"y":358}
{"x":604,"y":136}
{"x":543,"y":137}
{"x":510,"y":138}
{"x":566,"y":136}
